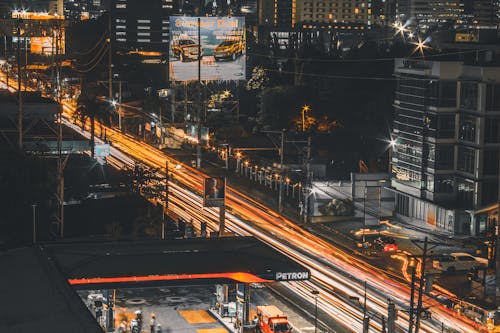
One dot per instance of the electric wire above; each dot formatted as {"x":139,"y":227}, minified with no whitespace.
{"x":93,"y":47}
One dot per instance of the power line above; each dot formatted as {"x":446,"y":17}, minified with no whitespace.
{"x":103,"y":48}
{"x":94,"y":66}
{"x":93,"y":47}
{"x":363,"y":60}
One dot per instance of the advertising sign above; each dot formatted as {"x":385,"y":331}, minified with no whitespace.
{"x":218,"y":47}
{"x":214,"y":192}
{"x":46,"y":45}
{"x":191,"y":132}
{"x":102,"y":150}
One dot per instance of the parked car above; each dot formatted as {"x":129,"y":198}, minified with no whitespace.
{"x":186,"y":49}
{"x":458,"y":261}
{"x":228,"y":49}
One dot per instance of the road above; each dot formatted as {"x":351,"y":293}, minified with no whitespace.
{"x":337,"y":275}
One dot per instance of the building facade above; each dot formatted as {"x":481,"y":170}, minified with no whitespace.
{"x":49,"y":6}
{"x":428,"y":14}
{"x":445,"y":160}
{"x":287,"y":13}
{"x":136,"y":26}
{"x":79,"y":10}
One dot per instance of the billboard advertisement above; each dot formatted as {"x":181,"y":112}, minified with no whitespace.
{"x":46,"y":45}
{"x":218,"y":48}
{"x":214,"y":192}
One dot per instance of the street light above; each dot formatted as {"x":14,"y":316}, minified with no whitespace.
{"x":305,"y":108}
{"x":315,"y":293}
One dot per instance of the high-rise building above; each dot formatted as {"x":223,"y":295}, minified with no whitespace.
{"x":141,"y":27}
{"x":335,"y":11}
{"x":286,"y":13}
{"x":277,"y":13}
{"x":465,"y":13}
{"x":446,"y":142}
{"x":76,"y":10}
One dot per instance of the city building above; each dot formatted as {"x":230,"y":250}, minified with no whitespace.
{"x":78,"y":10}
{"x":49,"y":6}
{"x":286,"y":13}
{"x":429,"y":14}
{"x":136,"y":26}
{"x":446,"y":141}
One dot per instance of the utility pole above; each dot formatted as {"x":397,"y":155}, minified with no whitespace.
{"x":421,"y":287}
{"x":110,"y":57}
{"x":198,"y":109}
{"x":222,"y":219}
{"x":120,"y":105}
{"x":19,"y":92}
{"x":282,"y":156}
{"x":495,"y":260}
{"x":412,"y":299}
{"x":6,"y":59}
{"x":308,"y":180}
{"x":391,"y":317}
{"x":366,"y":319}
{"x":167,"y":178}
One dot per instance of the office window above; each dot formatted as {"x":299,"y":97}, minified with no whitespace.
{"x":467,"y":128}
{"x":489,"y":192}
{"x":466,"y":159}
{"x":445,"y":157}
{"x":491,"y":130}
{"x":468,"y":95}
{"x":465,"y":193}
{"x":490,"y":162}
{"x":446,"y":126}
{"x":493,"y":97}
{"x":444,"y":184}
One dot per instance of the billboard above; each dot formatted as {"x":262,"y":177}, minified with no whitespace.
{"x":214,"y":192}
{"x":46,"y":45}
{"x":219,"y":48}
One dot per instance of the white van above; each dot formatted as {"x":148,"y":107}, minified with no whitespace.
{"x":458,"y":261}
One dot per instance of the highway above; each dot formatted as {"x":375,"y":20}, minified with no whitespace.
{"x":336,"y":274}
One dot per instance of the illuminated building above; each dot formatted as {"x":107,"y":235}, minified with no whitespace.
{"x":282,"y":13}
{"x":464,"y":13}
{"x":136,"y":26}
{"x":48,"y":6}
{"x":78,"y":10}
{"x":446,"y":136}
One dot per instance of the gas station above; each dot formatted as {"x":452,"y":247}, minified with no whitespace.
{"x":42,"y":282}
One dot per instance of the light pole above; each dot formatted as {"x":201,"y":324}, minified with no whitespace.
{"x":305,"y":109}
{"x":315,"y":293}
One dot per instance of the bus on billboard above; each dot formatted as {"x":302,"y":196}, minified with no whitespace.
{"x":218,"y":47}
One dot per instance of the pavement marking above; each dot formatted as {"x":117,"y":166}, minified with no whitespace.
{"x":197,"y":316}
{"x":211,"y":330}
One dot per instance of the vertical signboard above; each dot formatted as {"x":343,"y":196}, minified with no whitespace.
{"x":214,"y":192}
{"x":215,"y":44}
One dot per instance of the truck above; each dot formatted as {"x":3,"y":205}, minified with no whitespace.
{"x":270,"y":319}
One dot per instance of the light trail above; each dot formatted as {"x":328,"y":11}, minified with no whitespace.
{"x":334,"y":271}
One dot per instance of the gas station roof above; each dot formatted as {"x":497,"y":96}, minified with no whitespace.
{"x":37,"y":282}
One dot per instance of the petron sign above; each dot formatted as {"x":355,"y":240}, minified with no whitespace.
{"x":291,"y":276}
